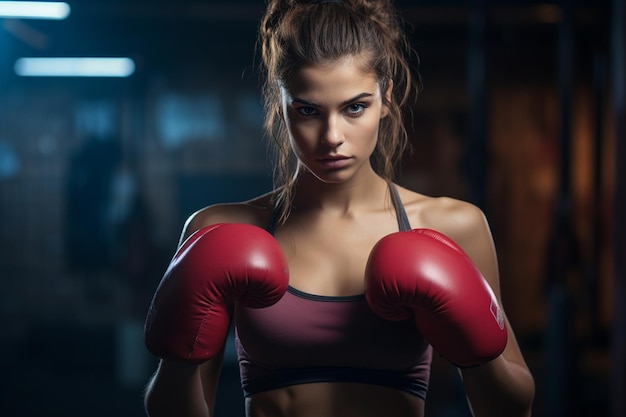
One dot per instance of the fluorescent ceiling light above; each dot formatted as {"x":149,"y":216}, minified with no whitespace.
{"x":74,"y":67}
{"x":34,"y":9}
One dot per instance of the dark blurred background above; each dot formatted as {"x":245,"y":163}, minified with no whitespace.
{"x":522,"y":112}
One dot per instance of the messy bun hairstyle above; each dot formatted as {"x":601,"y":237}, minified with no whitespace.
{"x":297,"y":33}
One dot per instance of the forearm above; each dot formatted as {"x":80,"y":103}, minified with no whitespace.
{"x":176,"y":391}
{"x":499,"y":388}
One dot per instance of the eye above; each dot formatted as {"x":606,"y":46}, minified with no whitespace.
{"x":307,"y":111}
{"x":355,"y":109}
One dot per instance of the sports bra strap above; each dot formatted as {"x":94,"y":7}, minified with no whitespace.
{"x":403,"y":220}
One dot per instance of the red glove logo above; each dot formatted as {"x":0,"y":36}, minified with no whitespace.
{"x":497,"y":314}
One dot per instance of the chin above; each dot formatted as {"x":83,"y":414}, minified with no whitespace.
{"x":329,"y":176}
{"x":333,"y":178}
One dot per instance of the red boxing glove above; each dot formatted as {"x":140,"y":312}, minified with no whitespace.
{"x":189,"y":316}
{"x":424,"y":273}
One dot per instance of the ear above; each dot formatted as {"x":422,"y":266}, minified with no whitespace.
{"x":387,"y":99}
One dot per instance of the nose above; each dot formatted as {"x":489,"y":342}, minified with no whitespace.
{"x":331,"y":134}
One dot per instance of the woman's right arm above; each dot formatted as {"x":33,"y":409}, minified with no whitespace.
{"x":181,"y":390}
{"x":178,"y":388}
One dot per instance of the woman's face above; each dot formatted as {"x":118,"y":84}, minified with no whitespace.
{"x":333,"y":114}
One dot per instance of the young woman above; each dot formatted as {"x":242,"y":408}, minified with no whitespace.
{"x":340,"y":283}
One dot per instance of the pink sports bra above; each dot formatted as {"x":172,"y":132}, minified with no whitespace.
{"x":307,"y":338}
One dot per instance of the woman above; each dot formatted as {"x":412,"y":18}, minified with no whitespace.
{"x":337,"y":78}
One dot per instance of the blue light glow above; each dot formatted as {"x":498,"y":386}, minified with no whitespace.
{"x":34,"y":10}
{"x":74,"y":67}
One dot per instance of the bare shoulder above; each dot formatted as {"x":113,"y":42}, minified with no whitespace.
{"x":463,"y":222}
{"x":257,"y":211}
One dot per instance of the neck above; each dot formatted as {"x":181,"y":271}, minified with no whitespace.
{"x":361,"y":192}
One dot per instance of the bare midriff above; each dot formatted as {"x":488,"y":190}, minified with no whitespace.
{"x":332,"y":399}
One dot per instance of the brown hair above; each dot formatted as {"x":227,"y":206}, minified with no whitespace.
{"x":297,"y":33}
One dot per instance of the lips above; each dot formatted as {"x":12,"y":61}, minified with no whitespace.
{"x":338,"y":161}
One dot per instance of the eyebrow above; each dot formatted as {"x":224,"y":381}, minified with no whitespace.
{"x":344,"y":103}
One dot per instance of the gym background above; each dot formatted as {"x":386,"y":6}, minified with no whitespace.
{"x":522,"y":112}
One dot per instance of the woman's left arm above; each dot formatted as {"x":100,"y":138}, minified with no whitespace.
{"x":505,"y":385}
